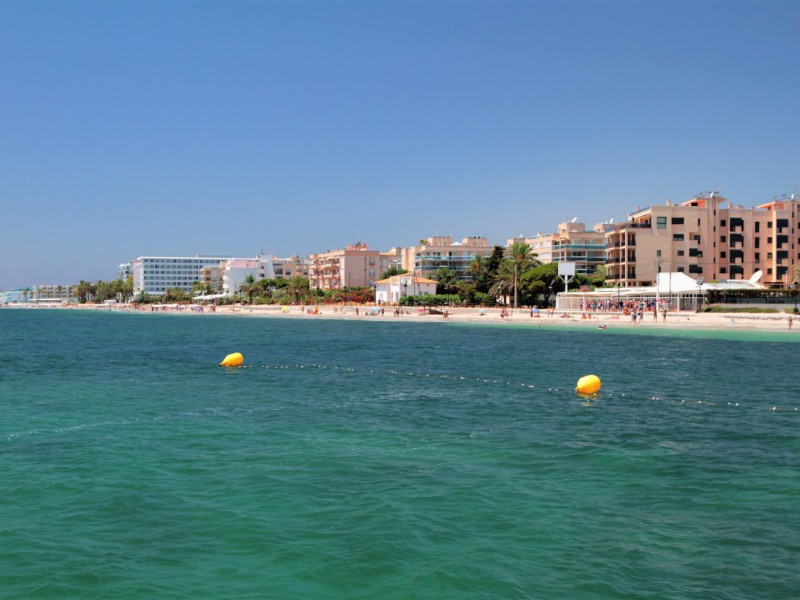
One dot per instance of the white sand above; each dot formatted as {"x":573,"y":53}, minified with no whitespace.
{"x":518,"y":317}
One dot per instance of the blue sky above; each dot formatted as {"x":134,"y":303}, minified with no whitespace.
{"x":153,"y":128}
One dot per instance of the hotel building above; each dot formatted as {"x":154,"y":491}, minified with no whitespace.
{"x":441,"y":252}
{"x":704,"y":238}
{"x":572,"y":242}
{"x":53,"y":294}
{"x":355,"y":266}
{"x":154,"y":275}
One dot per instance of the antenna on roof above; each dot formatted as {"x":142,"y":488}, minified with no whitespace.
{"x":574,"y":220}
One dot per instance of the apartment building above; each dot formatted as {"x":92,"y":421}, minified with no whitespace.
{"x":235,"y":272}
{"x":704,"y":237}
{"x":289,"y":267}
{"x":571,"y":242}
{"x":354,"y":266}
{"x":441,"y":252}
{"x":154,"y":275}
{"x":211,"y":277}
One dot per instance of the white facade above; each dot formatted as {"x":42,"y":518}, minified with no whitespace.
{"x":124,"y":271}
{"x":156,"y":274}
{"x":389,"y":291}
{"x":14,"y":296}
{"x":237,"y":270}
{"x":54,"y":294}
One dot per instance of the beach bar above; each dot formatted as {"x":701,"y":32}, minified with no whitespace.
{"x":677,"y":291}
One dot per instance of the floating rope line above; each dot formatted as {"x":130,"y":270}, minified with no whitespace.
{"x":486,"y":381}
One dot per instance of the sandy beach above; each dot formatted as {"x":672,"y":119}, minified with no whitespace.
{"x":770,"y":322}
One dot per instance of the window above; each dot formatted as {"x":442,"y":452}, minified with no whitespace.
{"x":723,"y":270}
{"x":661,"y":222}
{"x":681,"y":252}
{"x":698,"y":221}
{"x":722,"y":255}
{"x":758,"y":226}
{"x":677,"y":237}
{"x":769,"y":271}
{"x":769,"y":255}
{"x":769,"y":240}
{"x":769,"y":225}
{"x":723,"y":223}
{"x":677,"y":220}
{"x":758,"y":242}
{"x":722,"y":238}
{"x":680,"y":269}
{"x":658,"y":252}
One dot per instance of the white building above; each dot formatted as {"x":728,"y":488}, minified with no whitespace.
{"x":389,"y":291}
{"x":237,"y":270}
{"x":54,"y":294}
{"x":17,"y":296}
{"x":680,"y":291}
{"x":154,"y":275}
{"x":124,"y":271}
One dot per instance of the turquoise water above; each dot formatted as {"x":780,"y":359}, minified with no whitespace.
{"x":392,"y":460}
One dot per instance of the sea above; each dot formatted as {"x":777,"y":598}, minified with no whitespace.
{"x":392,"y":460}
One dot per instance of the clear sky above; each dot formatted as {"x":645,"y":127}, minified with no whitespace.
{"x":172,"y":128}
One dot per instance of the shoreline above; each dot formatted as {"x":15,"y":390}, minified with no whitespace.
{"x":521,"y":317}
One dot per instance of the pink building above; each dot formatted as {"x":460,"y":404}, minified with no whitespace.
{"x":707,"y":237}
{"x":355,"y":266}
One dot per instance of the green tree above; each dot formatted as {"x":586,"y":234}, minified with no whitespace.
{"x":466,"y":291}
{"x":199,"y":288}
{"x":249,"y":287}
{"x":83,"y":291}
{"x":541,"y":279}
{"x":521,"y":257}
{"x":446,"y":281}
{"x":127,"y":289}
{"x":391,"y":272}
{"x":490,"y":268}
{"x":174,"y":294}
{"x":503,"y":282}
{"x":297,"y":286}
{"x":477,"y":267}
{"x":598,"y":278}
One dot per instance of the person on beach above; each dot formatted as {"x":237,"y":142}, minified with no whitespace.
{"x":790,"y":322}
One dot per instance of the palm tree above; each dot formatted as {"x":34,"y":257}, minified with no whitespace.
{"x":249,"y":287}
{"x":296,"y":285}
{"x":477,"y":267}
{"x":504,"y":281}
{"x":521,"y":258}
{"x":446,"y":280}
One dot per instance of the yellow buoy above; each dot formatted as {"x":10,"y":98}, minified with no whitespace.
{"x":588,"y":384}
{"x":232,"y":360}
